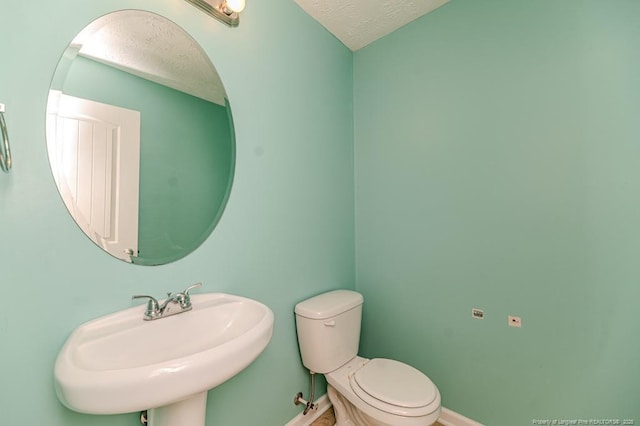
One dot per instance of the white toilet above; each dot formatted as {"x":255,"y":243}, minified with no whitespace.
{"x":364,"y":392}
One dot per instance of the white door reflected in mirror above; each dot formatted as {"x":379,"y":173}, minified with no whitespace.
{"x":95,"y":159}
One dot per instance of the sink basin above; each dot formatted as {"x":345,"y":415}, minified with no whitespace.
{"x":120,"y":363}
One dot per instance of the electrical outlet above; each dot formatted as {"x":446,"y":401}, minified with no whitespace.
{"x":514,"y":321}
{"x":477,"y":313}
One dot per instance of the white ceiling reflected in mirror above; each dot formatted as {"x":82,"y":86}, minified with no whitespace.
{"x":140,"y":137}
{"x":150,"y":47}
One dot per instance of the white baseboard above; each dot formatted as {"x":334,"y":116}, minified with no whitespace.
{"x":322,"y":404}
{"x":447,"y":418}
{"x":451,"y":418}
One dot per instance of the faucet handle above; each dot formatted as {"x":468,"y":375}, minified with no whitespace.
{"x":153,"y":307}
{"x":186,"y":298}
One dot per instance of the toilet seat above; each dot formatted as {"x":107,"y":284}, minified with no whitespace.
{"x":394,"y":387}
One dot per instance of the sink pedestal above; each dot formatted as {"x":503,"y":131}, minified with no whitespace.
{"x":188,"y":412}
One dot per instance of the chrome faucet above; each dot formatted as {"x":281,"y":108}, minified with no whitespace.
{"x":155,"y":310}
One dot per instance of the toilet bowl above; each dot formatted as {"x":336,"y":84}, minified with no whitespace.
{"x":364,"y":392}
{"x":382,"y":392}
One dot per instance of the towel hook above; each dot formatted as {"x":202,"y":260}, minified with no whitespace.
{"x":5,"y":151}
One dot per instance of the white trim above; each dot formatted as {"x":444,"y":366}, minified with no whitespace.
{"x":447,"y":418}
{"x":322,"y":404}
{"x":451,"y":418}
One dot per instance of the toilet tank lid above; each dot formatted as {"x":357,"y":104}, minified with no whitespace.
{"x":329,"y":304}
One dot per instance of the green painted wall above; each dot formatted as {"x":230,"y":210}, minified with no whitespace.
{"x":186,"y":150}
{"x":287,"y":232}
{"x":496,"y":166}
{"x":497,"y":152}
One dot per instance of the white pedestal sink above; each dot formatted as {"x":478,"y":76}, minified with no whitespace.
{"x":120,"y":363}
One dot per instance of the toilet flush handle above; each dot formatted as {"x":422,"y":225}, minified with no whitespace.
{"x":330,"y":323}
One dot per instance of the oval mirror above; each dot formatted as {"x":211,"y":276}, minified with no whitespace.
{"x":140,"y":137}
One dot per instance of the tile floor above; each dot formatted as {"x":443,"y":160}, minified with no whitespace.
{"x":326,"y":419}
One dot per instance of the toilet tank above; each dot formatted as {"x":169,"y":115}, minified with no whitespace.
{"x":328,"y":328}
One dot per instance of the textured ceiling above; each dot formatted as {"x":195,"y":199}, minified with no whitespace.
{"x":359,"y":22}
